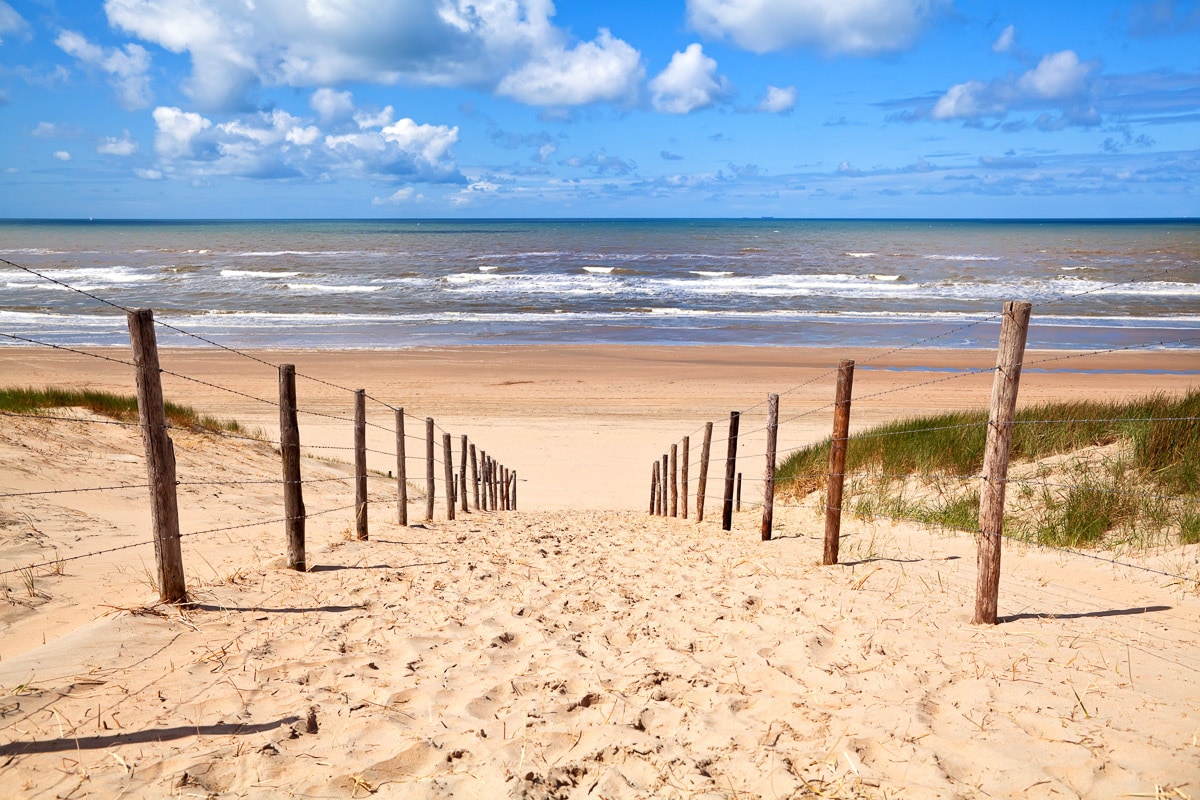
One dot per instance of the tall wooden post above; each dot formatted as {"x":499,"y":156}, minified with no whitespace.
{"x":507,"y":491}
{"x":654,"y":488}
{"x":702,"y":482}
{"x":160,"y":458}
{"x":837,"y":461}
{"x":289,"y":449}
{"x":514,"y":490}
{"x":429,"y":487}
{"x":474,"y":479}
{"x":730,"y":472}
{"x":401,"y":470}
{"x":360,"y":465}
{"x":674,"y":480}
{"x":1013,"y":331}
{"x":448,"y":462}
{"x":683,"y":479}
{"x":484,"y":462}
{"x":768,"y":518}
{"x":462,"y":478}
{"x":665,"y":499}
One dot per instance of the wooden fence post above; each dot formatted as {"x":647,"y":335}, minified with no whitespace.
{"x":360,"y":465}
{"x":702,"y":482}
{"x":768,"y":519}
{"x":514,"y":490}
{"x":289,"y":449}
{"x":448,"y":462}
{"x":160,"y":458}
{"x":462,"y":478}
{"x":674,"y":480}
{"x":739,"y":491}
{"x":654,"y":488}
{"x":483,"y":479}
{"x":837,"y":462}
{"x":683,"y":479}
{"x":665,"y":498}
{"x":1013,"y":331}
{"x":401,"y":470}
{"x":730,"y":471}
{"x":429,"y":484}
{"x":474,"y":479}
{"x":507,"y":490}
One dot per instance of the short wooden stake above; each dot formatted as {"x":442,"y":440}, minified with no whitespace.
{"x":160,"y":458}
{"x":474,"y":479}
{"x":665,"y":500}
{"x":360,"y":465}
{"x":289,"y":449}
{"x":835,"y":486}
{"x":768,"y":518}
{"x":683,"y":479}
{"x":429,"y":487}
{"x":730,"y":472}
{"x":1013,"y":331}
{"x":739,"y":491}
{"x":674,"y":480}
{"x":401,"y":470}
{"x":702,"y":481}
{"x":448,"y":462}
{"x":462,"y":479}
{"x":654,"y":488}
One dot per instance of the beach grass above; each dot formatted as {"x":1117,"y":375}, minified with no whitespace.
{"x":1080,"y":470}
{"x":24,"y":400}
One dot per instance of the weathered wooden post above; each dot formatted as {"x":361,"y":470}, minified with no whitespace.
{"x":1013,"y":331}
{"x":674,"y":480}
{"x":474,"y":479}
{"x":483,"y":479}
{"x":666,"y":488}
{"x":683,"y":479}
{"x":654,"y":488}
{"x":360,"y":465}
{"x":160,"y":458}
{"x":507,"y":491}
{"x":429,"y":487}
{"x":462,"y":478}
{"x":514,"y":490}
{"x":702,"y":482}
{"x":837,"y":462}
{"x":448,"y":462}
{"x":289,"y":449}
{"x":769,"y":475}
{"x":739,"y":491}
{"x":730,"y":472}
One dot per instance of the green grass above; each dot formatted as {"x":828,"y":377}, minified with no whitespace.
{"x":1161,"y":457}
{"x":119,"y":407}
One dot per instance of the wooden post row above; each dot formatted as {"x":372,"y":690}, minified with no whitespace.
{"x":160,"y":458}
{"x":429,"y":487}
{"x":289,"y":450}
{"x":730,"y":471}
{"x":1013,"y":331}
{"x":768,"y":519}
{"x":401,"y":470}
{"x":835,"y":483}
{"x":702,"y":482}
{"x":683,"y":479}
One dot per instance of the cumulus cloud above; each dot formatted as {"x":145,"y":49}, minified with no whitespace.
{"x":128,"y":68}
{"x":1006,"y":41}
{"x":114,"y":146}
{"x":331,"y":105}
{"x":689,"y":83}
{"x":62,"y":155}
{"x":277,"y":144}
{"x":853,"y":27}
{"x":606,"y":69}
{"x":509,"y":46}
{"x":778,"y":101}
{"x":1060,"y":82}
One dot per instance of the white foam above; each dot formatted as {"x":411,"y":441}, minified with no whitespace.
{"x":861,"y":255}
{"x":326,"y":289}
{"x":707,"y":274}
{"x":599,"y":270}
{"x":962,"y":258}
{"x":885,"y":277}
{"x":254,"y":273}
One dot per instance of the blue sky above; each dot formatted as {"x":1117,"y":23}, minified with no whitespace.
{"x":672,"y":108}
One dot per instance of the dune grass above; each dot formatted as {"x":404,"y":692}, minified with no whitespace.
{"x":26,"y":400}
{"x":1151,"y":482}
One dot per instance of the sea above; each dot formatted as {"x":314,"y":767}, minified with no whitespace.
{"x":375,"y":284}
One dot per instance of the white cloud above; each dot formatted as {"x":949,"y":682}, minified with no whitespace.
{"x":331,"y":105}
{"x":113,"y":146}
{"x":53,"y":130}
{"x":606,"y":69}
{"x":10,"y":20}
{"x":1059,"y":81}
{"x":149,"y":174}
{"x":778,"y":101}
{"x":62,"y":155}
{"x":128,"y":68}
{"x":406,"y":195}
{"x":235,"y":45}
{"x":1006,"y":41}
{"x":854,"y":27}
{"x":177,"y":132}
{"x":690,"y":82}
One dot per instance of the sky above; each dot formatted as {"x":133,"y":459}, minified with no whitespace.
{"x":154,"y":109}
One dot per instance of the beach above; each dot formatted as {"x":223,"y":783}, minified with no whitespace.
{"x":577,"y":647}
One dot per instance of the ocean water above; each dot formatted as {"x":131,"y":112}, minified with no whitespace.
{"x":386,"y":284}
